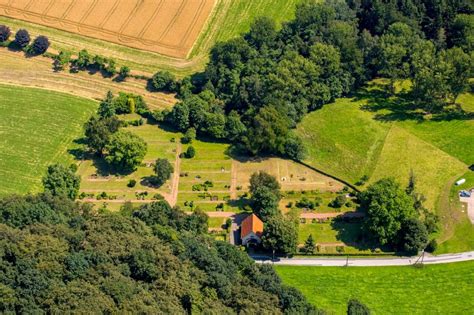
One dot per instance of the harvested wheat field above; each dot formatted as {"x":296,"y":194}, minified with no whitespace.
{"x":36,"y":72}
{"x":169,"y":27}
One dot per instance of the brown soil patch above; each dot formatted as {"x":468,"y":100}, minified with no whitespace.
{"x":168,"y":27}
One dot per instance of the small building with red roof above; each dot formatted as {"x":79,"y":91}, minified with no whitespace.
{"x":251,"y":230}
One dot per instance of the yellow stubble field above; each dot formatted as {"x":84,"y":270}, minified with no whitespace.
{"x":168,"y":27}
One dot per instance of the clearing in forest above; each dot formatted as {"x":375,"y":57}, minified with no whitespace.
{"x":167,"y":27}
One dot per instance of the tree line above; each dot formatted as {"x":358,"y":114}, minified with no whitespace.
{"x":61,"y":256}
{"x":22,"y":41}
{"x":257,"y":87}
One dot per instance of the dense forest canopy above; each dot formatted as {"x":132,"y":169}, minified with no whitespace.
{"x":58,"y":256}
{"x":257,"y":87}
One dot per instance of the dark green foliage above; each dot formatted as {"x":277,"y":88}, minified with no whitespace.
{"x":20,"y":211}
{"x":265,"y":203}
{"x":387,"y":206}
{"x":124,"y":72}
{"x":190,"y":152}
{"x":83,"y":60}
{"x":40,"y":45}
{"x":131,"y":183}
{"x":280,"y":235}
{"x":164,"y":81}
{"x":259,"y":86}
{"x":106,"y":107}
{"x":163,"y":170}
{"x":338,"y":202}
{"x":266,"y":195}
{"x":189,"y":136}
{"x":22,"y":38}
{"x":431,"y":246}
{"x":4,"y":33}
{"x":122,"y":103}
{"x":355,"y":307}
{"x":413,"y":236}
{"x":58,"y":257}
{"x":98,"y":132}
{"x":61,"y":60}
{"x":125,"y":151}
{"x":263,"y":179}
{"x":61,"y":181}
{"x":309,"y":245}
{"x":462,"y":32}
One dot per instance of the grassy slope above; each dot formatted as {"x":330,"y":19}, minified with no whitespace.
{"x":37,"y":127}
{"x":435,"y":289}
{"x":342,"y":139}
{"x":346,"y":141}
{"x":229,"y":19}
{"x":403,"y":152}
{"x":460,"y":237}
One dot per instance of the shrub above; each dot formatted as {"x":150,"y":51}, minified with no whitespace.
{"x":158,"y":197}
{"x":355,"y":307}
{"x":164,"y":81}
{"x":61,"y":60}
{"x":189,"y":136}
{"x":124,"y":72}
{"x":40,"y":45}
{"x":132,"y":183}
{"x":190,"y":152}
{"x":432,"y":246}
{"x":338,"y":202}
{"x":4,"y":33}
{"x":163,"y":170}
{"x":22,"y":38}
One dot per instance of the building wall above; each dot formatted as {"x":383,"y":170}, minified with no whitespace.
{"x":249,"y":237}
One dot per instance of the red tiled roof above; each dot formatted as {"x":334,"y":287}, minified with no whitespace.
{"x":251,"y":224}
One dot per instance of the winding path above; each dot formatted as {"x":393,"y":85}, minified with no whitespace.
{"x":368,"y":262}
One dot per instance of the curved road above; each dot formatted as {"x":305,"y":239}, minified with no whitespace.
{"x":369,"y":262}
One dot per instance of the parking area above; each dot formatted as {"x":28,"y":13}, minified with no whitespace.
{"x":468,"y":198}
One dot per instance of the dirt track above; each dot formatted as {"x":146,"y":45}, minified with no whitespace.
{"x":16,"y":69}
{"x":169,"y":27}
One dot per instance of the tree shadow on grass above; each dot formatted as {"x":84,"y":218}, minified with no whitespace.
{"x":239,"y":153}
{"x":104,"y":169}
{"x":243,"y":203}
{"x":350,"y":231}
{"x":403,"y":106}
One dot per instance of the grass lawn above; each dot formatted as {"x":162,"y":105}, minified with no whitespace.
{"x":343,"y":140}
{"x":371,"y":135}
{"x":403,"y":152}
{"x":37,"y":128}
{"x":434,"y":289}
{"x":95,"y":178}
{"x":326,"y":233}
{"x":460,"y":237}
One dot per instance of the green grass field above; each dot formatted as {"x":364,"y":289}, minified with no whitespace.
{"x":229,"y":19}
{"x":369,"y":136}
{"x":434,"y":289}
{"x":37,"y":127}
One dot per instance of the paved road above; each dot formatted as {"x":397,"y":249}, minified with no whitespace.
{"x":369,"y":262}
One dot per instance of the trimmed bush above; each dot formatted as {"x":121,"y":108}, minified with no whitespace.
{"x":40,"y":45}
{"x":4,"y":33}
{"x":22,"y":38}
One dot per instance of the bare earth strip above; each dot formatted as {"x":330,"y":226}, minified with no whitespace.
{"x":18,"y":70}
{"x":168,"y":27}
